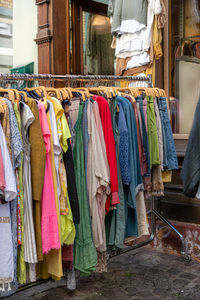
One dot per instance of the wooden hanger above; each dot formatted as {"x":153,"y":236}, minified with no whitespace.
{"x":40,"y":89}
{"x":68,"y":90}
{"x":65,"y":93}
{"x":55,"y":91}
{"x":100,"y":90}
{"x":25,"y":96}
{"x":79,"y":91}
{"x":87,"y":93}
{"x":11,"y":95}
{"x":17,"y":94}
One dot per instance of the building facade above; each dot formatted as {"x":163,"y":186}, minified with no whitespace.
{"x":6,"y":35}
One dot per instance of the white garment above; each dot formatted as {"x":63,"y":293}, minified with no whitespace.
{"x":128,"y":26}
{"x":98,"y":182}
{"x":56,"y":144}
{"x":97,"y":117}
{"x":198,"y":192}
{"x":30,"y":252}
{"x":128,"y":44}
{"x":141,"y":214}
{"x":138,"y":60}
{"x":10,"y":189}
{"x":6,"y":244}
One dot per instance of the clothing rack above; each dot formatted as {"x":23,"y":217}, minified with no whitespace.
{"x":187,"y":38}
{"x":71,"y":78}
{"x":95,"y":78}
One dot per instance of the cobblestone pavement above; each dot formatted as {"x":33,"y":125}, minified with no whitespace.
{"x":136,"y":275}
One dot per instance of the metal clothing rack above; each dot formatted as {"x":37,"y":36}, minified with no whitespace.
{"x":107,"y":78}
{"x":71,"y":78}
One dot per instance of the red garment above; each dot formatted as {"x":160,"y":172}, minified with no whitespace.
{"x":67,"y":256}
{"x":110,"y":148}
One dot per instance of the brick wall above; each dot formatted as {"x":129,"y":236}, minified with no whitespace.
{"x":6,"y":3}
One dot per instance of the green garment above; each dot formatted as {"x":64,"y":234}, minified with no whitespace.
{"x":152,"y":133}
{"x":115,"y":220}
{"x":85,"y":255}
{"x":21,"y":265}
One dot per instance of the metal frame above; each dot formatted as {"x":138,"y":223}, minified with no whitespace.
{"x":154,"y":213}
{"x":71,"y":78}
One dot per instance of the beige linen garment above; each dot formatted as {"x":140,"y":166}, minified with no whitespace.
{"x":98,"y":180}
{"x":141,"y":214}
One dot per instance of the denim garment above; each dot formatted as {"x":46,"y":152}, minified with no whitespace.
{"x":136,"y":178}
{"x":170,"y":161}
{"x":115,"y":220}
{"x":123,"y":146}
{"x":190,"y":173}
{"x":144,"y":134}
{"x":130,"y":191}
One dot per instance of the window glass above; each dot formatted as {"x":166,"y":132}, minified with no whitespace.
{"x":98,"y":56}
{"x":185,"y":63}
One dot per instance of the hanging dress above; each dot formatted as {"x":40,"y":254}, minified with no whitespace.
{"x":30,"y":253}
{"x":115,"y":220}
{"x":16,"y":149}
{"x":85,"y":256}
{"x":21,"y":265}
{"x":49,"y":222}
{"x":98,"y":179}
{"x":6,"y":245}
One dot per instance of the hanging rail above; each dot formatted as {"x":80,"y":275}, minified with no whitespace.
{"x":67,"y":77}
{"x":154,"y":213}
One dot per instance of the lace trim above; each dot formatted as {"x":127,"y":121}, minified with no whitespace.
{"x":4,"y":220}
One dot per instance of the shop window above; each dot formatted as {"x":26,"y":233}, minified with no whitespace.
{"x":184,"y":63}
{"x":98,"y":56}
{"x":90,"y":38}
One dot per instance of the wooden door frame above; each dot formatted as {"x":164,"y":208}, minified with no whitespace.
{"x":77,"y":8}
{"x":53,"y":36}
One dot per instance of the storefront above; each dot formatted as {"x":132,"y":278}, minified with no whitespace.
{"x":74,"y":37}
{"x":63,"y":48}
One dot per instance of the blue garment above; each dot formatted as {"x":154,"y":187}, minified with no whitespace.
{"x":130,"y":191}
{"x":170,"y":161}
{"x":144,"y":135}
{"x":136,"y":178}
{"x":190,"y":173}
{"x":123,"y":146}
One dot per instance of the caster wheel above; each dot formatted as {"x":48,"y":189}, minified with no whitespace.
{"x":186,"y":257}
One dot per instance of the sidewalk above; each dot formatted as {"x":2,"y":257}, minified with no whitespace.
{"x":137,"y":275}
